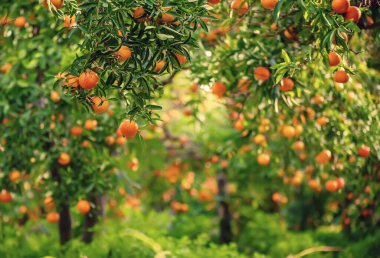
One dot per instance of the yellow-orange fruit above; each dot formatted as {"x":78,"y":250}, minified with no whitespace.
{"x":123,"y":54}
{"x":341,"y":76}
{"x":181,"y":58}
{"x":299,"y":146}
{"x":159,"y":66}
{"x":52,"y":217}
{"x":20,"y":22}
{"x":83,"y":206}
{"x":239,"y":6}
{"x":99,"y":104}
{"x":64,"y":159}
{"x":331,"y":185}
{"x":323,"y":157}
{"x":340,"y":6}
{"x":70,"y":81}
{"x":128,"y":128}
{"x":90,"y":124}
{"x":57,"y":3}
{"x":88,"y":80}
{"x":110,"y":140}
{"x":54,"y":96}
{"x":287,"y":84}
{"x":14,"y":176}
{"x":138,"y":12}
{"x":288,"y":131}
{"x":6,"y":67}
{"x":263,"y":159}
{"x":214,"y":1}
{"x":76,"y":131}
{"x":353,"y":14}
{"x":219,"y":89}
{"x":334,"y":59}
{"x":269,"y":4}
{"x":262,"y":73}
{"x":5,"y":196}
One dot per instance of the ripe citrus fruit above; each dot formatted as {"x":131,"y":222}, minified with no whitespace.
{"x":263,"y":159}
{"x":353,"y":14}
{"x":123,"y":54}
{"x":76,"y":131}
{"x":181,"y":58}
{"x":83,"y":206}
{"x":269,"y":4}
{"x":218,"y":89}
{"x":128,"y":128}
{"x":64,"y":159}
{"x":334,"y":59}
{"x":331,"y":185}
{"x":90,"y":124}
{"x":14,"y":176}
{"x":57,"y":3}
{"x":262,"y":73}
{"x":239,"y":6}
{"x":159,"y":66}
{"x":5,"y":196}
{"x":88,"y":80}
{"x":52,"y":217}
{"x":364,"y":151}
{"x":99,"y":104}
{"x":20,"y":22}
{"x":214,"y":1}
{"x":340,"y":6}
{"x":287,"y":84}
{"x":138,"y":12}
{"x":341,"y":76}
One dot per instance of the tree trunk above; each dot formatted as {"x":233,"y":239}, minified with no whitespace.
{"x":224,"y":213}
{"x":92,"y":218}
{"x":64,"y":223}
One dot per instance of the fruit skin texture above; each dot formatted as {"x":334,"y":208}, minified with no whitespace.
{"x":219,"y":89}
{"x":96,"y":104}
{"x":57,"y":3}
{"x":52,"y":217}
{"x":64,"y":159}
{"x":128,"y":128}
{"x":5,"y":196}
{"x":341,"y":77}
{"x":353,"y":13}
{"x":287,"y":84}
{"x":138,"y":12}
{"x":90,"y":124}
{"x":88,"y":80}
{"x":340,"y":181}
{"x":323,"y":157}
{"x":364,"y":151}
{"x":263,"y":159}
{"x":340,"y":6}
{"x":159,"y":66}
{"x":20,"y":22}
{"x":331,"y":186}
{"x":70,"y":80}
{"x":181,"y":58}
{"x":269,"y":4}
{"x":123,"y":54}
{"x":214,"y":1}
{"x":334,"y":59}
{"x":262,"y":73}
{"x":239,"y":7}
{"x":76,"y":131}
{"x":84,"y":206}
